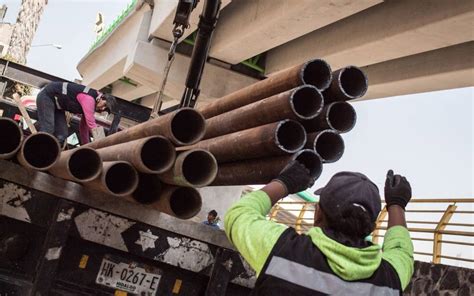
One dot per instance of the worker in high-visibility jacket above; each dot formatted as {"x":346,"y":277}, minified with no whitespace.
{"x":333,"y":257}
{"x":57,"y":97}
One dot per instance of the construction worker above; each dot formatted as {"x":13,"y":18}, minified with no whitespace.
{"x":57,"y":97}
{"x":332,"y":257}
{"x":212,"y":219}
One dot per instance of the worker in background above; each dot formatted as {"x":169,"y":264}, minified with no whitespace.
{"x":57,"y":97}
{"x":212,"y":219}
{"x":332,"y":257}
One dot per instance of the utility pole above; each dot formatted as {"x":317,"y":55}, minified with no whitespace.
{"x":25,"y":28}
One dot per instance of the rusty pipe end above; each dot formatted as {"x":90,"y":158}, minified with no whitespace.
{"x":185,"y":202}
{"x":39,"y":151}
{"x":84,"y":164}
{"x":306,"y":102}
{"x":353,"y":82}
{"x":329,"y":145}
{"x":199,"y":167}
{"x":290,"y":136}
{"x":310,"y":159}
{"x":157,"y":154}
{"x":341,"y":116}
{"x":10,"y":139}
{"x":317,"y":73}
{"x":148,"y":190}
{"x":120,"y":178}
{"x":187,"y":126}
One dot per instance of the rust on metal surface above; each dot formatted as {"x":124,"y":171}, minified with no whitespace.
{"x":118,"y":178}
{"x":39,"y":151}
{"x":315,"y":72}
{"x":301,"y":103}
{"x":328,"y":144}
{"x":263,"y":170}
{"x":192,"y":168}
{"x":278,"y":138}
{"x":180,"y":202}
{"x":348,"y":83}
{"x":151,"y":155}
{"x":185,"y":126}
{"x":81,"y":165}
{"x":338,"y":116}
{"x":11,"y":137}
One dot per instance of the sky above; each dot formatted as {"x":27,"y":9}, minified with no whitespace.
{"x":427,"y":137}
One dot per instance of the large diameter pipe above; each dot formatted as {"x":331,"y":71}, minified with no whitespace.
{"x":39,"y":151}
{"x":11,"y":137}
{"x":148,"y":190}
{"x":192,"y":168}
{"x":301,"y":103}
{"x":81,"y":165}
{"x":348,"y":83}
{"x":338,"y":116}
{"x":278,"y":138}
{"x":263,"y":170}
{"x":118,"y":178}
{"x":185,"y":126}
{"x":315,"y":72}
{"x":328,"y":144}
{"x":150,"y":155}
{"x":180,"y":202}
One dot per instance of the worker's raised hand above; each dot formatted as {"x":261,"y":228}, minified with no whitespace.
{"x":296,"y":177}
{"x":397,"y":190}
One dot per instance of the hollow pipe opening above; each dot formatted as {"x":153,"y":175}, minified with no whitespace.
{"x":148,"y":189}
{"x":158,"y":154}
{"x":187,"y":126}
{"x":85,"y":164}
{"x":121,"y":178}
{"x":353,"y":82}
{"x":290,"y":136}
{"x":317,"y":73}
{"x":341,"y":116}
{"x":185,"y":202}
{"x":10,"y":139}
{"x":41,"y":151}
{"x":199,"y":168}
{"x":329,"y":145}
{"x":311,"y":161}
{"x":307,"y":102}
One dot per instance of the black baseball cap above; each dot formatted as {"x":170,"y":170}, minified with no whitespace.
{"x":350,"y":188}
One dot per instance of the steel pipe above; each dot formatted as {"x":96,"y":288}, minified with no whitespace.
{"x":263,"y":170}
{"x":303,"y":102}
{"x":338,"y":116}
{"x":185,"y":126}
{"x":150,"y":155}
{"x":118,"y":178}
{"x":192,"y":168}
{"x":39,"y":151}
{"x":348,"y":83}
{"x":180,"y":202}
{"x":11,"y":137}
{"x":328,"y":144}
{"x":148,"y":190}
{"x":315,"y":72}
{"x":81,"y":165}
{"x":278,"y":138}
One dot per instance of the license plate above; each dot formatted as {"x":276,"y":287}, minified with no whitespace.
{"x":130,"y":277}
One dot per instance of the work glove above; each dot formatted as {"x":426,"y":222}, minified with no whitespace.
{"x":295,"y":177}
{"x":397,"y":190}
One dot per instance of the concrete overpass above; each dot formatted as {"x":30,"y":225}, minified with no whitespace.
{"x":404,"y":46}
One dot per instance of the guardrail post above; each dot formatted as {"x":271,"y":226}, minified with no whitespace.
{"x":438,"y":236}
{"x":300,"y":217}
{"x":378,"y":223}
{"x":274,"y":212}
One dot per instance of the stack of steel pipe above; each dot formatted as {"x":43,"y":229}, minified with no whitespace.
{"x":298,"y":113}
